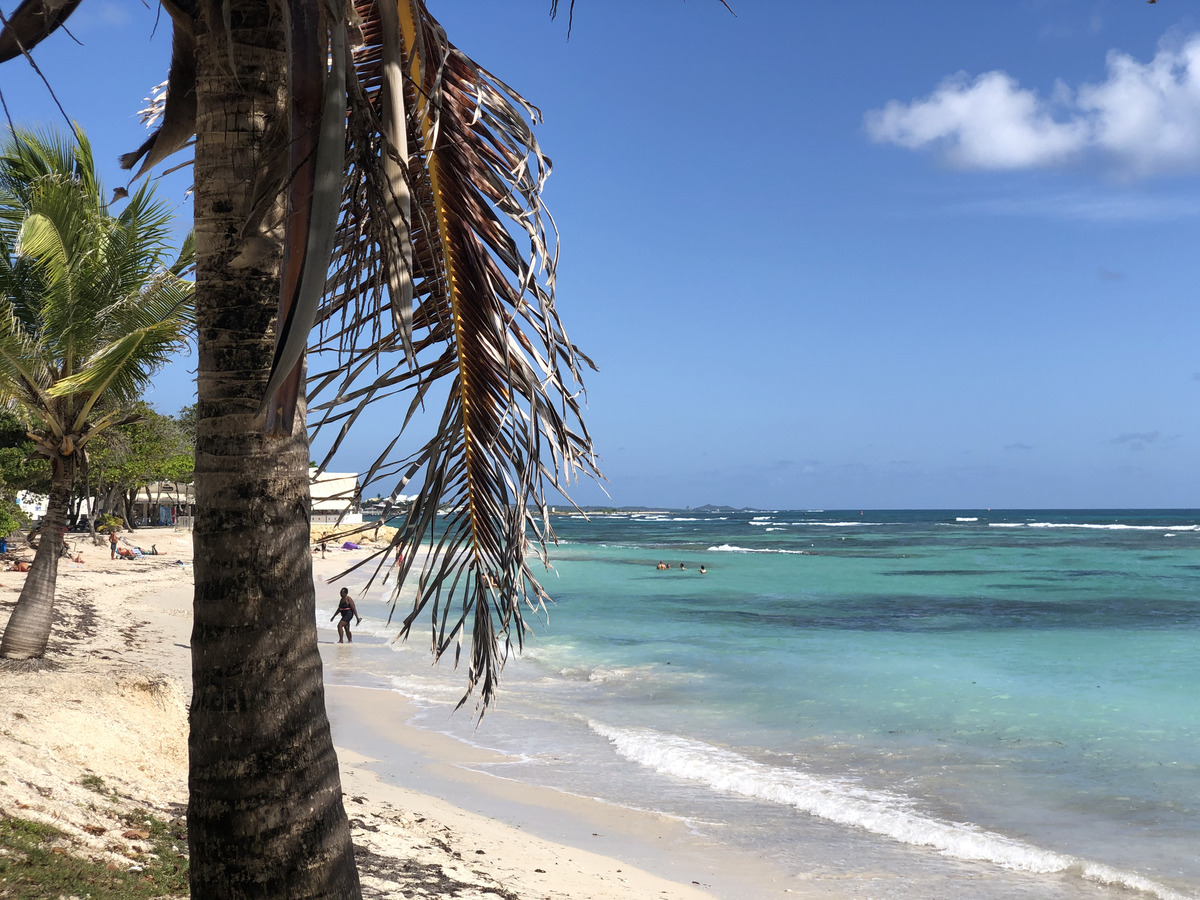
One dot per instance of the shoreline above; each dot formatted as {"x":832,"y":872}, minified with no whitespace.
{"x":110,"y":707}
{"x":609,"y":851}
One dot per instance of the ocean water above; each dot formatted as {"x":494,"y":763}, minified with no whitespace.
{"x":897,"y":698}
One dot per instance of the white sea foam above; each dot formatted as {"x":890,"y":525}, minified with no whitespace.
{"x":841,"y":801}
{"x":966,"y":518}
{"x":604,"y":674}
{"x":412,"y":693}
{"x":731,"y":548}
{"x":760,"y":519}
{"x":841,"y":524}
{"x":1111,"y":526}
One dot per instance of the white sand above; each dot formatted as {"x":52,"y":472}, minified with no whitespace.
{"x":112,"y":704}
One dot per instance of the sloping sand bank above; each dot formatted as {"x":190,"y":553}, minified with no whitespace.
{"x":98,"y":731}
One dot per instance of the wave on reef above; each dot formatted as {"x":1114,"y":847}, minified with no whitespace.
{"x":731,"y":548}
{"x":842,"y":802}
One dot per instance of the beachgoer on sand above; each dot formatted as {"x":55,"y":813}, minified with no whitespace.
{"x":112,"y":544}
{"x":347,"y":610}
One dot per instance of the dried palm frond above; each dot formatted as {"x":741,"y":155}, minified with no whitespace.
{"x":31,"y":23}
{"x":484,"y":324}
{"x":178,"y":105}
{"x":318,"y":147}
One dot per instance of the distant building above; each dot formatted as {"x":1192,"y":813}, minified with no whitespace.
{"x":336,"y":496}
{"x":165,"y":503}
{"x":33,"y":505}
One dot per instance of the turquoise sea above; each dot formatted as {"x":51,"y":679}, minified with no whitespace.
{"x":1009,"y":697}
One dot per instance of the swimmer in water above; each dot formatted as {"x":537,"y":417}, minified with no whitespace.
{"x":347,"y":610}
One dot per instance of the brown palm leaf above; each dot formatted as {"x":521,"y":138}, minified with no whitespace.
{"x":485,"y":331}
{"x":31,"y":23}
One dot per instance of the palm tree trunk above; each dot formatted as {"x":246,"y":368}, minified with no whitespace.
{"x":265,"y":813}
{"x":28,"y":629}
{"x":128,"y":498}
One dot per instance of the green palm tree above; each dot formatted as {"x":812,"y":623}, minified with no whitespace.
{"x":91,"y":305}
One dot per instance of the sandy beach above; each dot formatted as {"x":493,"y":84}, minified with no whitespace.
{"x":110,"y":703}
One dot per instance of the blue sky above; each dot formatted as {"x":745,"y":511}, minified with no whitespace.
{"x":880,"y":254}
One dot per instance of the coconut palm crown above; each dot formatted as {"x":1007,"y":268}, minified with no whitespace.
{"x":92,"y":304}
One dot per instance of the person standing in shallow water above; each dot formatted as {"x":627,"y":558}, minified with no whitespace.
{"x":347,"y":610}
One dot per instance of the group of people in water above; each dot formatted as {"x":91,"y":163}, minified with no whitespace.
{"x":663,"y":566}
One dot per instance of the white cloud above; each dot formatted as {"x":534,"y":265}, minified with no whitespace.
{"x":1144,"y":118}
{"x":990,"y":123}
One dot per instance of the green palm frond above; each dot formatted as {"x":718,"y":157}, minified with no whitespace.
{"x":185,"y":261}
{"x":91,"y":304}
{"x":121,"y":370}
{"x":24,"y":374}
{"x":31,"y":154}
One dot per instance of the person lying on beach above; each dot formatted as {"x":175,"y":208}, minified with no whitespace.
{"x":347,"y":610}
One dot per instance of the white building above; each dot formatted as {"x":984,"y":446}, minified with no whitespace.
{"x":33,"y":505}
{"x":336,"y":496}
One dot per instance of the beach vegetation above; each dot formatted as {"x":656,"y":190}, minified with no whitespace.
{"x":39,"y":861}
{"x":94,"y":782}
{"x":125,"y":459}
{"x":92,"y":303}
{"x":21,"y":469}
{"x":396,"y":207}
{"x":108,"y":522}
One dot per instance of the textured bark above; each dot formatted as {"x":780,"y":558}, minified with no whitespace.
{"x":28,"y":629}
{"x":127,"y":509}
{"x":265,"y":813}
